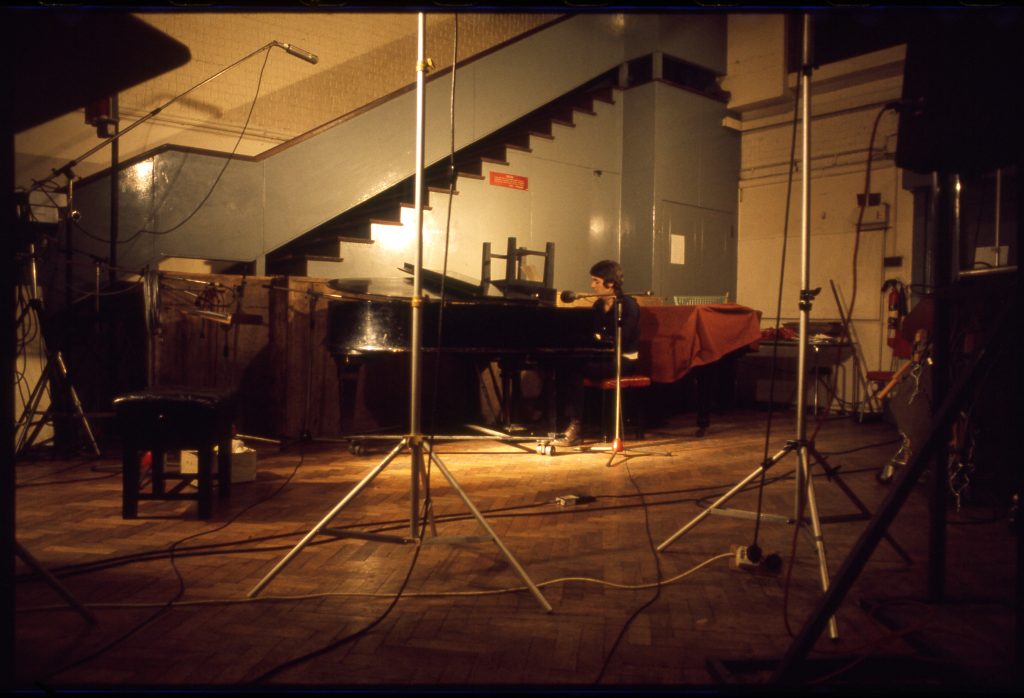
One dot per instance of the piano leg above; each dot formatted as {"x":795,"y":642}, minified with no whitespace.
{"x":509,"y":372}
{"x":715,"y":386}
{"x":528,"y":393}
{"x":702,"y":376}
{"x":551,"y":388}
{"x":348,"y":385}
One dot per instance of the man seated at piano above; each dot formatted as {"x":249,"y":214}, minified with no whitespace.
{"x":606,"y":279}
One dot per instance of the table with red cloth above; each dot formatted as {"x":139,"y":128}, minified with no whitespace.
{"x":674,"y":339}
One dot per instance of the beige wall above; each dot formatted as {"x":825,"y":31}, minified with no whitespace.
{"x":847,"y":98}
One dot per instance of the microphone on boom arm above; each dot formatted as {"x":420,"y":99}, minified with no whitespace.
{"x":570,"y":296}
{"x":298,"y":52}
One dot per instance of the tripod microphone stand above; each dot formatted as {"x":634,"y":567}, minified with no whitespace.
{"x":799,"y":445}
{"x":53,"y":378}
{"x":616,"y":446}
{"x":420,"y":449}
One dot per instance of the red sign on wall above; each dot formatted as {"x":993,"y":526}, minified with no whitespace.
{"x":503,"y":179}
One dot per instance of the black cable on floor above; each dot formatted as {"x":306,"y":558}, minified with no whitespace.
{"x":274,"y":671}
{"x":657,"y":589}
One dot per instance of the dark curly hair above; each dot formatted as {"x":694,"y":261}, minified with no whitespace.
{"x":610,"y":272}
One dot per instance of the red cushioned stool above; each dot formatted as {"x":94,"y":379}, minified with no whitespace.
{"x":634,"y":406}
{"x":165,"y":419}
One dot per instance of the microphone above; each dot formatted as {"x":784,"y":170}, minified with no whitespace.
{"x":296,"y":51}
{"x":570,"y":296}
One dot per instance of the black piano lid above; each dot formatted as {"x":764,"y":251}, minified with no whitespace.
{"x":381,"y":287}
{"x":377,"y":318}
{"x":454,"y":286}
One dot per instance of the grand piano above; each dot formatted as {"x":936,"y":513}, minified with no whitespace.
{"x":369,"y":334}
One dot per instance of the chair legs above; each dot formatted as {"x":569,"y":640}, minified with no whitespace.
{"x":132,"y":479}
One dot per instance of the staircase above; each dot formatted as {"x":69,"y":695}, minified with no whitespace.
{"x":343,"y":191}
{"x":322,"y":250}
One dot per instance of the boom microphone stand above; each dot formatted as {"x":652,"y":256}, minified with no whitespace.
{"x":800,"y":445}
{"x":616,"y":446}
{"x":73,"y":215}
{"x":54,"y":380}
{"x":414,"y":442}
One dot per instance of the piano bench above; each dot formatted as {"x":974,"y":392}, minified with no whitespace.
{"x":632,"y":404}
{"x":158,"y":420}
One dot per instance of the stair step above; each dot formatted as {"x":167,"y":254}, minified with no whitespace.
{"x":307,"y":257}
{"x":354,"y":241}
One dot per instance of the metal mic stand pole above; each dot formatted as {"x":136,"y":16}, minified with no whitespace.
{"x":617,"y":441}
{"x":804,"y":488}
{"x":616,"y":447}
{"x":415,"y":441}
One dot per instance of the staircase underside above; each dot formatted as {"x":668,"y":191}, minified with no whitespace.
{"x":353,"y":226}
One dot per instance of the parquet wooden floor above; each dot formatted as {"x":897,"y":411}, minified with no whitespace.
{"x":170,"y":592}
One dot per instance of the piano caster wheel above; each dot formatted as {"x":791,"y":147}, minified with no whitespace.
{"x":885,"y":474}
{"x":356,"y":448}
{"x":545,"y":449}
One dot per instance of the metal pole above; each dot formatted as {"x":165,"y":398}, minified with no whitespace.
{"x":805,"y":487}
{"x":805,"y":221}
{"x":946,"y":224}
{"x":417,"y":300}
{"x":617,"y":442}
{"x":115,"y":186}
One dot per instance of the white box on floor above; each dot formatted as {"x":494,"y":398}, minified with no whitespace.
{"x":243,"y":462}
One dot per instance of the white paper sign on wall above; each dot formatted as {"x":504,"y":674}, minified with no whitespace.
{"x":677,"y":254}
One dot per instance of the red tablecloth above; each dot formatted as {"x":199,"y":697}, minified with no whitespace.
{"x":676,"y":338}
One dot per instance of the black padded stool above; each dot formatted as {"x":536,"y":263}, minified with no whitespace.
{"x":173,"y":418}
{"x":635,"y":407}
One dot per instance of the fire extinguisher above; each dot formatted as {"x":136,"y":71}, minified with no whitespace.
{"x":896,"y":303}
